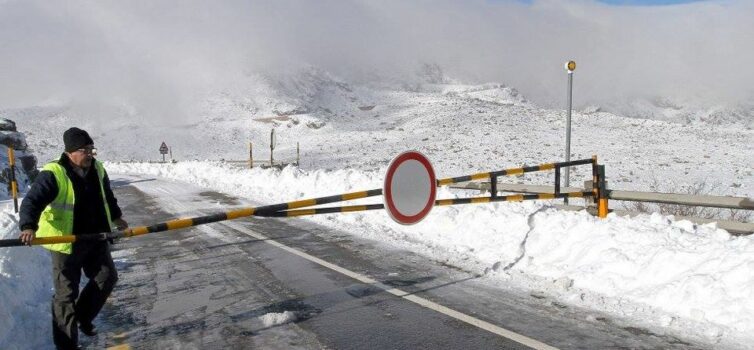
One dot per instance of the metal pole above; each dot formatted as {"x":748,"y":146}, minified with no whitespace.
{"x":298,"y":156}
{"x":251,"y":156}
{"x":272,"y":145}
{"x":570,"y":66}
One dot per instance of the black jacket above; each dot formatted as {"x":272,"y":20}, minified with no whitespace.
{"x":88,"y":210}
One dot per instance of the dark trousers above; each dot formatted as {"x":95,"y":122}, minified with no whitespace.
{"x":69,"y":308}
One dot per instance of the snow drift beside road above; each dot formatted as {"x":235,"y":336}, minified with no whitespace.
{"x":26,"y":287}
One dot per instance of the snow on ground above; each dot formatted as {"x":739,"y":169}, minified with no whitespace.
{"x":26,"y":287}
{"x":693,"y":279}
{"x":274,"y":319}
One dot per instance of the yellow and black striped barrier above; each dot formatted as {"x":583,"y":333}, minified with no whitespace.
{"x":438,"y":203}
{"x":200,"y":220}
{"x":512,"y":171}
{"x":294,"y":208}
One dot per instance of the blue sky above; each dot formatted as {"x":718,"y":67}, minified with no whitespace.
{"x":646,"y":2}
{"x":636,"y":2}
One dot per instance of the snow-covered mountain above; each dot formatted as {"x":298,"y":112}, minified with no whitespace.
{"x":461,"y":127}
{"x":683,"y":112}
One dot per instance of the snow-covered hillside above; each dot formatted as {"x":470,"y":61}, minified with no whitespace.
{"x":462,"y":128}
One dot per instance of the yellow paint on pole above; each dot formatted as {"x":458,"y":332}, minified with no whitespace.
{"x":301,"y":212}
{"x":136,"y":231}
{"x":515,"y":198}
{"x":354,"y":208}
{"x":53,"y":240}
{"x":480,"y":176}
{"x":548,"y":166}
{"x":180,"y":223}
{"x":480,"y":200}
{"x":354,"y":195}
{"x":235,"y":214}
{"x":302,"y":203}
{"x":443,"y":182}
{"x":602,"y":208}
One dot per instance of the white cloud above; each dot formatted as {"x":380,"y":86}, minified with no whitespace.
{"x":160,"y":56}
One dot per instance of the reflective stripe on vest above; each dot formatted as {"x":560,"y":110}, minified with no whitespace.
{"x":57,"y":218}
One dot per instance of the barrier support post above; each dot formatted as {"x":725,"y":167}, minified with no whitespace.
{"x":557,"y":180}
{"x":493,"y":186}
{"x":298,"y":157}
{"x":602,"y":207}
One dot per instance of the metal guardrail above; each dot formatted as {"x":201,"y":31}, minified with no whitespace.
{"x":742,"y":203}
{"x":683,"y":199}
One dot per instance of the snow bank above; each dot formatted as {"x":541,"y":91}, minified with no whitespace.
{"x":26,"y":287}
{"x":687,"y":277}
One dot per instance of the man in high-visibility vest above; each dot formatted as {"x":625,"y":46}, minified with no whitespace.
{"x":72,"y":196}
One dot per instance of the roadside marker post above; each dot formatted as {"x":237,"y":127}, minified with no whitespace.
{"x":272,"y":145}
{"x":251,"y":156}
{"x":12,"y":177}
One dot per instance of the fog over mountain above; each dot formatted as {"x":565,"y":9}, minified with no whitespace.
{"x":158,"y":60}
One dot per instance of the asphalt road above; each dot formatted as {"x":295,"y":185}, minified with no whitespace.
{"x":221,"y":286}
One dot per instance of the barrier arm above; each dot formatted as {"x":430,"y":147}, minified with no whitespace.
{"x":290,"y":209}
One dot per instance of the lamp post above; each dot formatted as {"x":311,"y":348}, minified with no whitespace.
{"x":570,"y":66}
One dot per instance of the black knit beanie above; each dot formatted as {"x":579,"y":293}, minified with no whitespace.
{"x":75,"y":138}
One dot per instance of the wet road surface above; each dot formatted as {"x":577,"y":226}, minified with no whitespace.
{"x":221,"y":286}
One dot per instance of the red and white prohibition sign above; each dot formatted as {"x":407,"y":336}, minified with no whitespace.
{"x":410,"y":188}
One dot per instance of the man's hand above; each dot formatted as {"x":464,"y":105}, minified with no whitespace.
{"x":27,"y":236}
{"x":120,"y":224}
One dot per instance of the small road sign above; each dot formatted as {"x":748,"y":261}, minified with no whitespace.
{"x":163,"y":148}
{"x":410,"y":188}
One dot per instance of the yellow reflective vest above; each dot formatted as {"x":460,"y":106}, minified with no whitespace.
{"x":57,"y":218}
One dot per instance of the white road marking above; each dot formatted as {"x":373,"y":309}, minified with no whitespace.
{"x":398,"y":292}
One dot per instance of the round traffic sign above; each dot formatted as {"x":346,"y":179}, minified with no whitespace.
{"x":410,"y":188}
